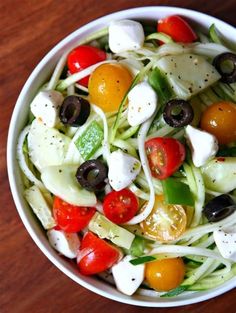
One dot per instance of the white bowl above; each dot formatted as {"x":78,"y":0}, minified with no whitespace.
{"x":19,"y":118}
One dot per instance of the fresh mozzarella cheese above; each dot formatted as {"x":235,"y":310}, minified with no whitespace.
{"x":226,"y":242}
{"x":142,"y":103}
{"x":123,"y":169}
{"x":125,"y":35}
{"x":202,"y":144}
{"x":65,"y":243}
{"x":46,"y":105}
{"x":128,"y":277}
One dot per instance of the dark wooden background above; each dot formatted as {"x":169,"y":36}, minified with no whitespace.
{"x":29,"y":283}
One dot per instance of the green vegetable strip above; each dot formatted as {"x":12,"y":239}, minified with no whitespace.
{"x":96,"y":35}
{"x":137,"y":78}
{"x":160,"y":36}
{"x":143,"y":259}
{"x":213,"y":281}
{"x":213,"y":34}
{"x":137,"y":247}
{"x":138,"y":192}
{"x":199,"y":272}
{"x":124,"y":145}
{"x":160,"y":84}
{"x":190,"y":178}
{"x":176,"y":192}
{"x":200,"y":197}
{"x":129,"y":132}
{"x":174,"y":292}
{"x":229,"y":91}
{"x":90,"y":140}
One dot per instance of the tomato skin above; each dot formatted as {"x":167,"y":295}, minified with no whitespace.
{"x":165,"y":274}
{"x":120,"y":206}
{"x":219,"y":119}
{"x":165,"y":156}
{"x":99,"y":255}
{"x":177,"y":28}
{"x":71,"y":218}
{"x":166,"y":222}
{"x":108,"y":85}
{"x":82,"y":57}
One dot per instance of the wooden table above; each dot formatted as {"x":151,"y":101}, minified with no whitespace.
{"x":28,"y":30}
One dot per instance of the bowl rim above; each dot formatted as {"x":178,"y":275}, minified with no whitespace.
{"x":11,"y":160}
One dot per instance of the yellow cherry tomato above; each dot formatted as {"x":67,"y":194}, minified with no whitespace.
{"x":166,"y":221}
{"x":165,"y":274}
{"x":219,"y":119}
{"x":108,"y":85}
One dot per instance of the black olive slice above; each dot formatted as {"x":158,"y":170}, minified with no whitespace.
{"x":92,"y":175}
{"x":219,"y":208}
{"x":178,"y":113}
{"x":226,"y":77}
{"x":74,"y":111}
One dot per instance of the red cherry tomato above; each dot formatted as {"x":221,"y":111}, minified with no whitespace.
{"x":120,"y":206}
{"x":96,"y":255}
{"x":177,"y":28}
{"x":165,"y":156}
{"x":71,"y":218}
{"x":82,"y":57}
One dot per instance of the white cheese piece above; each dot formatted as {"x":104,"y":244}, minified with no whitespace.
{"x":40,"y":207}
{"x":142,"y":103}
{"x":128,"y":277}
{"x":226,"y":242}
{"x":65,"y":243}
{"x":123,"y":169}
{"x":46,"y":105}
{"x":202,"y":144}
{"x":125,"y":35}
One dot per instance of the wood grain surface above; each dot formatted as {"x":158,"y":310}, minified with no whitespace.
{"x":29,"y":283}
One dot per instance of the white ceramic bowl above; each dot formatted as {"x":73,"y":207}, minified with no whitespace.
{"x":19,"y":118}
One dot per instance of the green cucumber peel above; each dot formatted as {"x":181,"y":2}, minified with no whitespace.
{"x":142,"y":260}
{"x":174,"y":292}
{"x":160,"y":36}
{"x":213,"y":35}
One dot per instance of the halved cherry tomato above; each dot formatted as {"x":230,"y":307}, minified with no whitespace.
{"x":71,"y":218}
{"x":177,"y":28}
{"x":108,"y":85}
{"x":82,"y":57}
{"x":167,"y":222}
{"x":96,"y":255}
{"x":166,"y":274}
{"x":219,"y":119}
{"x":165,"y":156}
{"x":120,"y":206}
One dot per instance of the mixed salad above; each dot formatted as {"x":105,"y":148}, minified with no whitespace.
{"x":129,"y":157}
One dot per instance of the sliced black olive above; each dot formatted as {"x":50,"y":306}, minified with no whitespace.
{"x":178,"y":113}
{"x":74,"y":111}
{"x":219,"y":208}
{"x":226,"y":76}
{"x":92,"y":175}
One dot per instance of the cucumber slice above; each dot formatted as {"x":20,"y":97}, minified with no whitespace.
{"x":104,"y":228}
{"x":40,"y":207}
{"x":219,"y":174}
{"x":184,"y":82}
{"x":47,"y":146}
{"x":61,"y":181}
